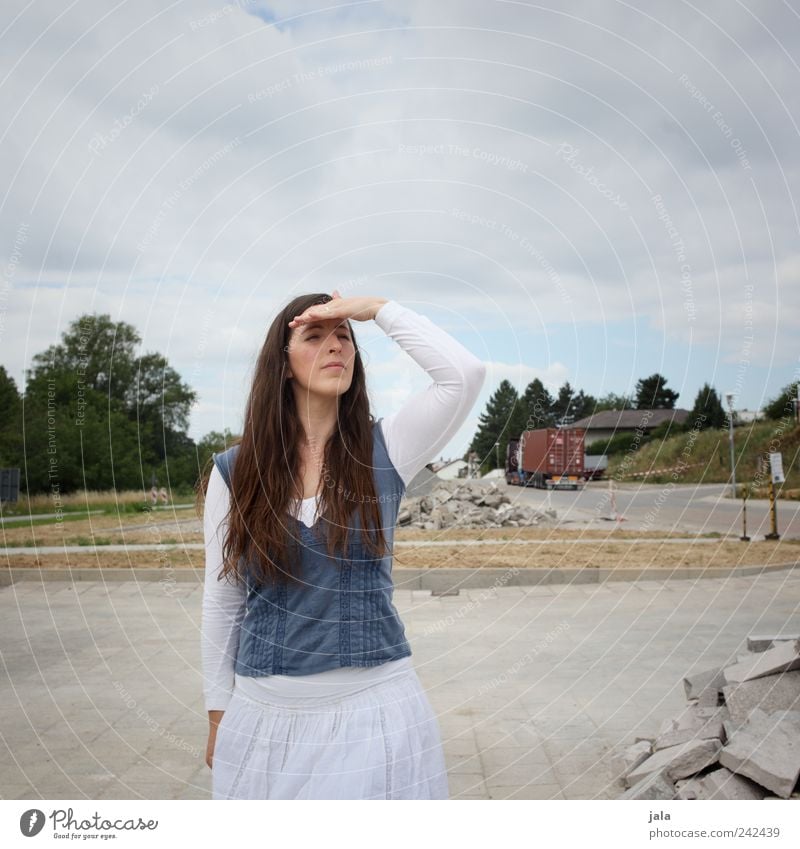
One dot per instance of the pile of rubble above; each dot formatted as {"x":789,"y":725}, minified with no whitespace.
{"x":454,"y":504}
{"x":738,"y":738}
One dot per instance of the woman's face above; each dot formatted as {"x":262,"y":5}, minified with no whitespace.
{"x":312,"y":348}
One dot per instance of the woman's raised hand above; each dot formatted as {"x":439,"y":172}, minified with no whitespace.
{"x":357,"y":309}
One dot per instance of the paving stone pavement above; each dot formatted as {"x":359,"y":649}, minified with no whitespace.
{"x":534,"y":686}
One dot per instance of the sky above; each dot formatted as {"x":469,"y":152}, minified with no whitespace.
{"x":582,"y":191}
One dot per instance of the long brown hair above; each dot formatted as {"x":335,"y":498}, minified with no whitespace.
{"x":261,"y":535}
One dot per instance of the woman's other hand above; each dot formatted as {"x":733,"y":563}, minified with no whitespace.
{"x":214,"y":719}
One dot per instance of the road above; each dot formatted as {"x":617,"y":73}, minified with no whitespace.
{"x":683,"y":508}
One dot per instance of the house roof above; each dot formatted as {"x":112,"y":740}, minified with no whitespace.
{"x":630,"y":419}
{"x":437,"y":467}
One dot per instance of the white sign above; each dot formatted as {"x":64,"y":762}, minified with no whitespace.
{"x":776,"y":468}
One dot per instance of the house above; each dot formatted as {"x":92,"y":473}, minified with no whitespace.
{"x":608,"y":423}
{"x":450,"y":469}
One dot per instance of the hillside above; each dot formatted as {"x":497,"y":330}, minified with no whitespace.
{"x":704,"y":457}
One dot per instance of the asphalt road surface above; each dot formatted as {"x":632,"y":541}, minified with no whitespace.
{"x":682,"y":508}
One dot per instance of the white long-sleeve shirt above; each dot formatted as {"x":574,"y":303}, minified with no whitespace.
{"x":414,"y":435}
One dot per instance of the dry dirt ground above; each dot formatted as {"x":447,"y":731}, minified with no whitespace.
{"x":543,"y":547}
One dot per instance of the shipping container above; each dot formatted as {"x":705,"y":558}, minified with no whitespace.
{"x":548,"y":457}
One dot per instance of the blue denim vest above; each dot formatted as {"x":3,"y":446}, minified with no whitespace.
{"x":342,"y":614}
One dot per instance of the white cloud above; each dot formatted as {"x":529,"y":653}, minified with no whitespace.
{"x":175,"y":159}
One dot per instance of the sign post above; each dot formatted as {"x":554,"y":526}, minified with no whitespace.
{"x":775,"y":476}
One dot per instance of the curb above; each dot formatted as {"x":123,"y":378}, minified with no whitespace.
{"x":437,"y":580}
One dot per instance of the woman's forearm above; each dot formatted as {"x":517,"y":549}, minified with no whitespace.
{"x":429,"y":419}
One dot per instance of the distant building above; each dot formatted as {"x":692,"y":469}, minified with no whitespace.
{"x":747,"y":416}
{"x":450,"y":469}
{"x":608,"y":423}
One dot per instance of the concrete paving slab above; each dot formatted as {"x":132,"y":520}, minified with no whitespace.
{"x":615,"y":672}
{"x":527,"y":791}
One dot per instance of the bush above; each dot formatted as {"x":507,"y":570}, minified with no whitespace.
{"x":618,"y":444}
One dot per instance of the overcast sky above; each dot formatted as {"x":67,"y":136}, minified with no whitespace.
{"x":582,"y":191}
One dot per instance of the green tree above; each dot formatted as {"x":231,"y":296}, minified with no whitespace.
{"x":537,"y":406}
{"x":97,"y":415}
{"x":75,"y":437}
{"x":498,"y":423}
{"x":10,"y":420}
{"x":612,"y":401}
{"x":652,"y":394}
{"x":783,"y":404}
{"x":570,"y":406}
{"x":707,"y":404}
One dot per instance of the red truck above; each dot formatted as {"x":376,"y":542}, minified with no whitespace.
{"x":550,"y":457}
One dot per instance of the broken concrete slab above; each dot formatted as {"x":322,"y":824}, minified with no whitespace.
{"x":719,"y":784}
{"x":762,"y":642}
{"x":769,"y":693}
{"x":766,"y":748}
{"x":709,"y":697}
{"x":456,"y":504}
{"x":783,"y":658}
{"x":657,"y":785}
{"x":631,"y":756}
{"x":693,"y":723}
{"x":679,"y":761}
{"x":696,"y":682}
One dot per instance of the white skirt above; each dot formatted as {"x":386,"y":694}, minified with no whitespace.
{"x":382,"y":742}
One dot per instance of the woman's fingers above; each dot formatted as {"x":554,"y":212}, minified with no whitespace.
{"x":338,"y":307}
{"x":324,"y":312}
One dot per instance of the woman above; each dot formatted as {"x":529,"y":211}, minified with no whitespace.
{"x":309,"y":684}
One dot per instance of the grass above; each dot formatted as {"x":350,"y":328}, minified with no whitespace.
{"x":76,"y":504}
{"x":704,"y":457}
